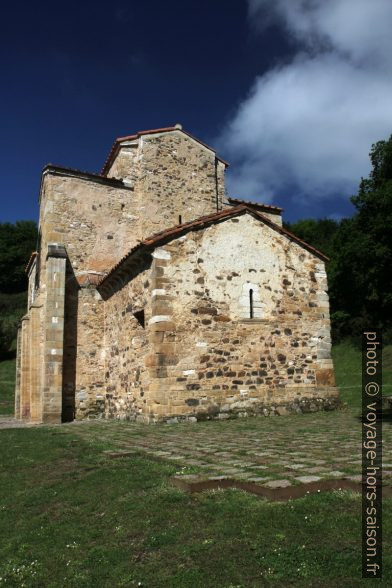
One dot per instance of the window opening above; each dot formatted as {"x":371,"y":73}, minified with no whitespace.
{"x":139,"y":316}
{"x":251,"y":303}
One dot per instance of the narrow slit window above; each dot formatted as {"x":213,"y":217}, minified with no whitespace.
{"x":139,"y":316}
{"x":251,"y":313}
{"x":179,"y":219}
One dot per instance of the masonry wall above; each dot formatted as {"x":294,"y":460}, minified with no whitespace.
{"x":199,"y":355}
{"x":24,"y":382}
{"x":96,"y":222}
{"x":52,"y":325}
{"x":221,"y":362}
{"x":126,"y":345}
{"x":36,"y":361}
{"x":171,"y":175}
{"x":18,"y":371}
{"x":90,"y":355}
{"x":30,"y":362}
{"x":126,"y":164}
{"x":99,"y":221}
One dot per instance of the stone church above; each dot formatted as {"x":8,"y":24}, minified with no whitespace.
{"x":154,"y":296}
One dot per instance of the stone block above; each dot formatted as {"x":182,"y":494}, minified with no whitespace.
{"x":164,"y":326}
{"x":282,"y":411}
{"x":325,"y":377}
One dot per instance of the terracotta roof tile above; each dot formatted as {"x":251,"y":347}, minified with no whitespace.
{"x":174,"y":232}
{"x":266,"y":207}
{"x":31,"y":261}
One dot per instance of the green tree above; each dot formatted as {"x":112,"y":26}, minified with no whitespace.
{"x":319,"y":233}
{"x":360,"y":252}
{"x":17,"y":241}
{"x":360,"y":270}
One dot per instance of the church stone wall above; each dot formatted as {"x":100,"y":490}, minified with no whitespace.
{"x":125,"y":347}
{"x":84,"y":353}
{"x":222,"y":363}
{"x":95,"y":221}
{"x":126,"y":165}
{"x":89,"y":359}
{"x":172,"y":175}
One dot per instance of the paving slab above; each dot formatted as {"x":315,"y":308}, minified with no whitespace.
{"x":277,"y":484}
{"x":295,"y":466}
{"x":356,"y":478}
{"x":263,"y":450}
{"x":308,"y":479}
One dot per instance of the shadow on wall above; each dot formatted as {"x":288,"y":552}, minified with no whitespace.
{"x":70,"y":345}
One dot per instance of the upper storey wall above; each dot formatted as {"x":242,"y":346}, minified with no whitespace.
{"x":97,"y":222}
{"x":125,"y":165}
{"x":175,"y":178}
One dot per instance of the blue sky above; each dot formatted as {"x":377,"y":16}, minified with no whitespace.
{"x":292,"y":94}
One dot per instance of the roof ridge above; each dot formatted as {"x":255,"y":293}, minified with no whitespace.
{"x":253,"y":203}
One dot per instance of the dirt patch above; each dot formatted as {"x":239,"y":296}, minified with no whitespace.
{"x":120,"y":453}
{"x":288,"y":493}
{"x":9,"y":422}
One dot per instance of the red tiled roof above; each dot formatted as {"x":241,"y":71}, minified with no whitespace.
{"x":174,"y":232}
{"x":266,"y":207}
{"x":31,"y":261}
{"x":116,"y":145}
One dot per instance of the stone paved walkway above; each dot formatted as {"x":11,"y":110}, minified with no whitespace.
{"x":275,"y":451}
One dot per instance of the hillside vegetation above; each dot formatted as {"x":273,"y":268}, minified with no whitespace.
{"x":17,"y":242}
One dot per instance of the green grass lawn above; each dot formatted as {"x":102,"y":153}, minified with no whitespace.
{"x":347,"y":362}
{"x":7,"y":386}
{"x":71,"y":516}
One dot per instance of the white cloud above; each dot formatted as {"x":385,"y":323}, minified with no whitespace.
{"x":309,"y":124}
